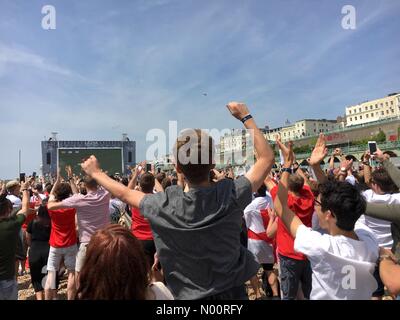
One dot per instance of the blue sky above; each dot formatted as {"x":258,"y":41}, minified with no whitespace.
{"x":132,"y":65}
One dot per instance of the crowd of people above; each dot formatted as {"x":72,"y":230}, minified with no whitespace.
{"x":287,"y":231}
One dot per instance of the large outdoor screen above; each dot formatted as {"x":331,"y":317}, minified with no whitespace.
{"x":110,"y":159}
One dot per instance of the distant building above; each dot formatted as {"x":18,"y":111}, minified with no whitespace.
{"x":302,"y":128}
{"x":375,"y":110}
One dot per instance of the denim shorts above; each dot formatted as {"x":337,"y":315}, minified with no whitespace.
{"x":8,"y":290}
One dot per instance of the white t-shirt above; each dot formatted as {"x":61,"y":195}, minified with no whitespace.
{"x":34,"y":198}
{"x":342,"y":268}
{"x":16,"y":202}
{"x":158,"y":291}
{"x":380,"y":228}
{"x":262,"y":250}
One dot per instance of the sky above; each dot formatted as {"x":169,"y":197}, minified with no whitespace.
{"x":113,"y":67}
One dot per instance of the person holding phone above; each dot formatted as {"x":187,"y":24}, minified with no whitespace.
{"x":10,"y":227}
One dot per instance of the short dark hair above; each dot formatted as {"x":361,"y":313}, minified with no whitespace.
{"x":295,"y":183}
{"x":199,"y":141}
{"x":62,"y":191}
{"x":166,"y":183}
{"x":39,"y":187}
{"x":344,"y":201}
{"x":147,"y":182}
{"x":381,"y":177}
{"x":48,"y":187}
{"x":5,"y":205}
{"x":261,"y":191}
{"x":391,"y":154}
{"x":90,"y":183}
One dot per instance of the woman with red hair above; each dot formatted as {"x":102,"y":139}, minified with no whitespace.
{"x":116,"y":269}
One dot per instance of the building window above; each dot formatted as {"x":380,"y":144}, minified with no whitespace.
{"x":349,"y":111}
{"x":372,"y":114}
{"x":387,"y":111}
{"x":392,"y":110}
{"x":366,"y":115}
{"x":386,"y":103}
{"x":381,"y":104}
{"x":359,"y":110}
{"x":391,"y":102}
{"x":366,"y":108}
{"x":382,"y":113}
{"x":350,"y":119}
{"x":315,"y":130}
{"x":376,"y":106}
{"x":355,"y":118}
{"x":370,"y":107}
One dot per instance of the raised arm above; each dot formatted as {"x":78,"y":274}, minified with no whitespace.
{"x":266,"y":158}
{"x":269,"y":183}
{"x":385,"y":211}
{"x":272,"y":227}
{"x":131,"y":197}
{"x":25,"y":199}
{"x":318,"y":154}
{"x":289,"y":219}
{"x":135,"y":174}
{"x":392,"y":170}
{"x":389,"y":271}
{"x":301,"y":173}
{"x":157,"y":184}
{"x":71,"y":181}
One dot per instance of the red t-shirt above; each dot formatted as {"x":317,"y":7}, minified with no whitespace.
{"x":140,"y":226}
{"x":63,"y":231}
{"x":303,"y":207}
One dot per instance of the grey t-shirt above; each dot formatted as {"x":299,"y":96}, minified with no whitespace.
{"x":197,"y":235}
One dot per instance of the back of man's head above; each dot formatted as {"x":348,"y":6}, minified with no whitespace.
{"x":391,"y":154}
{"x":39,"y":187}
{"x":261,"y":192}
{"x":194,"y":155}
{"x":295,"y":183}
{"x":90,"y":183}
{"x":62,"y":191}
{"x":344,"y":201}
{"x":147,"y":182}
{"x":382,"y":179}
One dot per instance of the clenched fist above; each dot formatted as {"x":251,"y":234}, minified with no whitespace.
{"x":238,"y":110}
{"x":91,"y":166}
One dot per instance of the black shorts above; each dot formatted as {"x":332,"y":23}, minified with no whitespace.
{"x":292,"y":272}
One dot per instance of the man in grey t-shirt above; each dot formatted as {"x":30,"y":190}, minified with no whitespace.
{"x":197,"y":233}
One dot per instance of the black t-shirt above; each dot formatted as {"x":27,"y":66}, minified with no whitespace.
{"x":39,"y":231}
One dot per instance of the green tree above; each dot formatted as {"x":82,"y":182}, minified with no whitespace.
{"x":380,"y":137}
